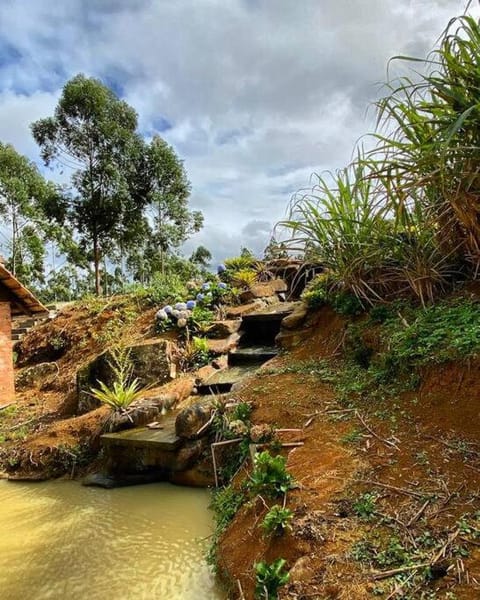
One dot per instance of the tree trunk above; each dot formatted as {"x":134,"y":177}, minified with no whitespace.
{"x":96,"y":260}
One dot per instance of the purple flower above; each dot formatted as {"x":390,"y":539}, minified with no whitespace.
{"x":200,"y":297}
{"x":161,"y":315}
{"x":206,"y":286}
{"x":221,"y":268}
{"x":168,"y":309}
{"x":222,"y":285}
{"x":191,"y":304}
{"x":180,"y":306}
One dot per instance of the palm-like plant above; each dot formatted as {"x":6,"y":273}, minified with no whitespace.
{"x":435,"y":149}
{"x":124,"y":389}
{"x":344,"y":224}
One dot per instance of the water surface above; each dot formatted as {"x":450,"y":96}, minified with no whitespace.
{"x":62,"y":541}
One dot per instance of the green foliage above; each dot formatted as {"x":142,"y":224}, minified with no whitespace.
{"x":124,"y":390}
{"x":270,"y":476}
{"x":240,"y":263}
{"x":163,"y":289}
{"x":196,"y":353}
{"x":242,"y":412}
{"x":244,"y":278}
{"x":365,"y":505}
{"x":277,"y":520}
{"x":200,"y":319}
{"x":402,"y":220}
{"x":322,"y":291}
{"x":225,"y":505}
{"x":269,"y":578}
{"x":24,"y":200}
{"x":93,"y":132}
{"x":161,"y":182}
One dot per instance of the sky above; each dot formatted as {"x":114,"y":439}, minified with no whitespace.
{"x":254,"y":95}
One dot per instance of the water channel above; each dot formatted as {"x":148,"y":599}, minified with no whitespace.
{"x":59,"y":540}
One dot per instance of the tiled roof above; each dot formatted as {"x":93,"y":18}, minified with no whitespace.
{"x":23,"y":301}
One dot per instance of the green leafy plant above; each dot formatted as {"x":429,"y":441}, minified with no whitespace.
{"x":244,"y":278}
{"x":270,"y":476}
{"x":269,"y":578}
{"x":124,"y":390}
{"x":277,"y":520}
{"x":365,"y":505}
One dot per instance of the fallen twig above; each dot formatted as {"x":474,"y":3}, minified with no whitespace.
{"x":6,"y":405}
{"x":418,"y":514}
{"x":375,"y":435}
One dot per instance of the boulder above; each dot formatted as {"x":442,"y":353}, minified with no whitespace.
{"x":265,"y":289}
{"x":296,"y":318}
{"x":187,"y":455}
{"x":222,"y":329}
{"x":192,"y":419}
{"x":224,"y":346}
{"x":36,"y":376}
{"x":152,"y":364}
{"x":234,"y":312}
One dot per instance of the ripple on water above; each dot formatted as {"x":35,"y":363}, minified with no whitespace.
{"x":59,"y":540}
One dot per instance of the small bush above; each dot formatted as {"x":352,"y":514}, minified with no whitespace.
{"x":124,"y":390}
{"x":277,"y":520}
{"x":270,"y":476}
{"x":270,"y":577}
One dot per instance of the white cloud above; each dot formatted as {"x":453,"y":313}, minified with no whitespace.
{"x":258,"y":94}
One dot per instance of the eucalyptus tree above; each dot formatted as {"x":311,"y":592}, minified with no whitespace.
{"x":166,"y":189}
{"x":92,"y":134}
{"x":25,"y":200}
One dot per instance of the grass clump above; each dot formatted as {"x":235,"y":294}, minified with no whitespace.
{"x":225,"y":505}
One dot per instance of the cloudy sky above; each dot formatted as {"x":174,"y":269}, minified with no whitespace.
{"x":254,"y":95}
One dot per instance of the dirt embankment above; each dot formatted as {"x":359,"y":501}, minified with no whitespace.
{"x":40,"y":434}
{"x":386,"y":486}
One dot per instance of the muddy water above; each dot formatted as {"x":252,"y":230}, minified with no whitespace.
{"x":59,"y":540}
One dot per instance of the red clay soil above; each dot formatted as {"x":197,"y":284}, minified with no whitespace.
{"x":419,"y":455}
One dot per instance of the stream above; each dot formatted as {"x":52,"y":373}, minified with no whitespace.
{"x":60,"y":540}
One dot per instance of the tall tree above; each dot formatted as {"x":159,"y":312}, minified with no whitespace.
{"x":92,"y":133}
{"x":166,"y":189}
{"x":25,"y":198}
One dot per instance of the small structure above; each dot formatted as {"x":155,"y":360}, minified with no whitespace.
{"x":15,"y":299}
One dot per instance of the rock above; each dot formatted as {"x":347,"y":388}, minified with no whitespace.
{"x":279,"y":285}
{"x":200,"y":475}
{"x":296,"y":318}
{"x":265,"y":289}
{"x":186,"y":456}
{"x":222,"y":329}
{"x":223,"y":346}
{"x":221,"y":362}
{"x":191,"y":419}
{"x":35,"y":376}
{"x":152,"y":364}
{"x":288,"y":339}
{"x":234,"y":312}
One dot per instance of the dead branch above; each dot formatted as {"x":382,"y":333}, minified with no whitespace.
{"x":372,"y":432}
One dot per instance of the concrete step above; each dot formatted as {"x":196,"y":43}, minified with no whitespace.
{"x":20,"y":330}
{"x":252,"y":354}
{"x":143,"y":437}
{"x":222,"y":381}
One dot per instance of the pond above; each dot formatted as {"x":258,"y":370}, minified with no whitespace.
{"x":60,"y":540}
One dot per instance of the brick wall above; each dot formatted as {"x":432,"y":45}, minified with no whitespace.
{"x":7,"y":390}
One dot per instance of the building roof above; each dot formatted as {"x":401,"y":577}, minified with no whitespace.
{"x":22,"y":300}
